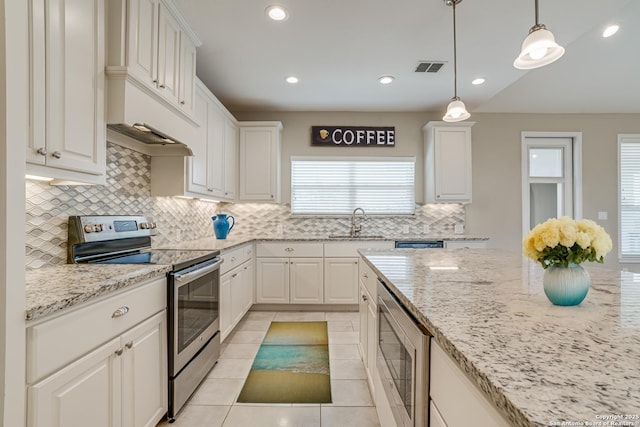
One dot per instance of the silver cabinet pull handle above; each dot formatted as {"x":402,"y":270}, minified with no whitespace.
{"x":119,"y":352}
{"x":121,"y":311}
{"x":42,"y":151}
{"x":56,"y":154}
{"x":365,"y":275}
{"x":129,"y":344}
{"x":162,"y":86}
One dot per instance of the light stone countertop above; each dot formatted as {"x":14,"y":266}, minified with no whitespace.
{"x":538,"y":363}
{"x":51,"y":289}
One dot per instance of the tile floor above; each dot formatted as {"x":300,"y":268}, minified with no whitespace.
{"x":214,"y":403}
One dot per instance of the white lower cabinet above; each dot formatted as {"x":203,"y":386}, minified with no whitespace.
{"x":471,"y":244}
{"x":236,"y":296}
{"x":368,"y":309}
{"x":122,"y":381}
{"x":450,"y":390}
{"x":341,"y":280}
{"x":289,"y":280}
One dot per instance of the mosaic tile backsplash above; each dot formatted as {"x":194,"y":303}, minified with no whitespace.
{"x":127,"y":192}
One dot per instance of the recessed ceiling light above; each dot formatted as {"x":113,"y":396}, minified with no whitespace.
{"x":292,"y":79}
{"x":610,"y":30}
{"x":478,"y":81}
{"x":277,"y":12}
{"x":385,"y":80}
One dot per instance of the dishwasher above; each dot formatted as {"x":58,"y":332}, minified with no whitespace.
{"x":419,"y":244}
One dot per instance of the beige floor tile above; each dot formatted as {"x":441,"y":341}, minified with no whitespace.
{"x":350,"y":393}
{"x":273,"y":416}
{"x":240,"y":351}
{"x":347,"y":369}
{"x":259,"y":315}
{"x":344,"y":337}
{"x":253,"y":325}
{"x":332,"y":416}
{"x":340,"y":326}
{"x":231,"y":368}
{"x":199,"y":415}
{"x":344,"y":351}
{"x":299,"y":316}
{"x":352,"y":316}
{"x":217,"y":391}
{"x":246,"y":337}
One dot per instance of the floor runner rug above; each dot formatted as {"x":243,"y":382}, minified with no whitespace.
{"x":292,"y":366}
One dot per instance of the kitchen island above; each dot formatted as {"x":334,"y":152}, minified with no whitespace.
{"x":537,"y":363}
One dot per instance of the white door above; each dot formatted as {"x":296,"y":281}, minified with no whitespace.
{"x":247,"y":286}
{"x":199,"y":163}
{"x":272,"y":280}
{"x":230,"y":159}
{"x":341,"y":280}
{"x":144,"y":373}
{"x":306,"y":284}
{"x":258,"y":163}
{"x":143,"y":41}
{"x":187,"y":74}
{"x":168,"y":55}
{"x":550,"y":178}
{"x":85,"y":393}
{"x":237,"y":296}
{"x":363,"y":308}
{"x":215,"y":138}
{"x":225,"y":305}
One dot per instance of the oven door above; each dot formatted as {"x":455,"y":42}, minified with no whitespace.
{"x":194,"y":308}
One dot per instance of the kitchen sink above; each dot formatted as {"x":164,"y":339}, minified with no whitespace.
{"x":361,"y":237}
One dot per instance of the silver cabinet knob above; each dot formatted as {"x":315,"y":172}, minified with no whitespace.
{"x":119,"y":351}
{"x":272,"y":196}
{"x":129,"y":344}
{"x":364,"y":298}
{"x":365,"y":275}
{"x":162,"y":86}
{"x":56,"y":154}
{"x":234,"y":275}
{"x":121,"y":311}
{"x":182,"y":102}
{"x":42,"y":151}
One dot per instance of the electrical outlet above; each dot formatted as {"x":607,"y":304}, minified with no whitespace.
{"x":405,"y":229}
{"x":280,"y":228}
{"x":603,"y":215}
{"x":426,"y":229}
{"x":458,"y":229}
{"x":178,"y":234}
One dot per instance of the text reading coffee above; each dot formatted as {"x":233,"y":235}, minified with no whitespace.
{"x":357,"y":136}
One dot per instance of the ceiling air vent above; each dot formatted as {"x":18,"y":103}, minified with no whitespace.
{"x":429,"y":67}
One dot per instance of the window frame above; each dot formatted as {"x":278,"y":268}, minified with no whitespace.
{"x":351,"y":159}
{"x":622,"y":257}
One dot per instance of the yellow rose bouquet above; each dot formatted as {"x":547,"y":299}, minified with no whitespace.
{"x":562,"y":241}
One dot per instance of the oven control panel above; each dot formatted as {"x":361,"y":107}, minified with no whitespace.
{"x":95,"y":228}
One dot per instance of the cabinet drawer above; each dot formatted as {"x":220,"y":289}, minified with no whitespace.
{"x":289,"y":250}
{"x":350,"y":249}
{"x":235,"y":257}
{"x":53,"y":344}
{"x":451,"y":390}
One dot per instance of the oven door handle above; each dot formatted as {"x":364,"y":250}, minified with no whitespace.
{"x":181,"y":279}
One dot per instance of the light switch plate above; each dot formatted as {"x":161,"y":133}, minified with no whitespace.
{"x":458,"y":229}
{"x":405,"y":229}
{"x":603,"y":215}
{"x":426,"y":229}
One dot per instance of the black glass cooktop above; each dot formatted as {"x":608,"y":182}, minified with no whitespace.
{"x":177,"y":258}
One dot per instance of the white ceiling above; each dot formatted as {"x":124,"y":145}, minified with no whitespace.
{"x":339,"y":48}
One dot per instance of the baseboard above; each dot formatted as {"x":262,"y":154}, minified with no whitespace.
{"x":304,"y":307}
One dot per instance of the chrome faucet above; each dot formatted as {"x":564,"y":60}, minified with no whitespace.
{"x":356,"y":228}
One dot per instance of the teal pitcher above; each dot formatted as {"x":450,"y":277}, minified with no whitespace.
{"x":221,"y":225}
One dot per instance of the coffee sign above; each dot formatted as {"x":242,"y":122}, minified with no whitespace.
{"x":356,"y":136}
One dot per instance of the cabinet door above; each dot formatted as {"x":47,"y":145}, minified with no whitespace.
{"x":247,"y":285}
{"x":144,"y":373}
{"x":272,"y":280}
{"x":453,"y":164}
{"x":341,"y":280}
{"x":306,"y":284}
{"x":259,"y":161}
{"x":372,"y":343}
{"x":143,"y":41}
{"x":198,"y":172}
{"x":230,"y":159}
{"x":187,"y":75}
{"x":85,"y":393}
{"x":215,"y":139}
{"x":363,"y":307}
{"x":75,"y":135}
{"x":225,"y":305}
{"x":168,"y":55}
{"x":237,"y":295}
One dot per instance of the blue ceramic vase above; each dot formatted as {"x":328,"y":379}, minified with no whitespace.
{"x":221,"y":226}
{"x":566,"y":285}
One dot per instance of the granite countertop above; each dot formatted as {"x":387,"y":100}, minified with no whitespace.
{"x":232,"y":241}
{"x":538,"y":363}
{"x":51,"y":289}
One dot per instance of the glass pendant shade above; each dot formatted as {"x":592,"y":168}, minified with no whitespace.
{"x":538,"y":49}
{"x":456,"y":111}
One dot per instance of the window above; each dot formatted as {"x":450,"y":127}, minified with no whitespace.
{"x":629,"y":197}
{"x":335,"y":186}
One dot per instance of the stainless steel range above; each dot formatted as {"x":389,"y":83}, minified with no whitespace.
{"x":193,"y":291}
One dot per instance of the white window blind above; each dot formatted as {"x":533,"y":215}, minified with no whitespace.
{"x":629,"y":159}
{"x":330,"y":186}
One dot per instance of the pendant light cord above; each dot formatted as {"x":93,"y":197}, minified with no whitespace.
{"x":537,"y":13}
{"x":455,"y":62}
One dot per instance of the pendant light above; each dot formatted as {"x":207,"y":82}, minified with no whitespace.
{"x":456,"y":111}
{"x":539,"y":48}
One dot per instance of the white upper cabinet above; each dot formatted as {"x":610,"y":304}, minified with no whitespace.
{"x":448,"y":162}
{"x":150,"y":41}
{"x":230,"y":159}
{"x":67,"y":111}
{"x":260,"y":161}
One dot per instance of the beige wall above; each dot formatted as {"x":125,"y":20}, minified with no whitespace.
{"x":496,"y":210}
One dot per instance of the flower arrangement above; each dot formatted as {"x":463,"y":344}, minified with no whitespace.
{"x":561,"y":241}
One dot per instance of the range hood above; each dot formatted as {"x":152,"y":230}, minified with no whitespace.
{"x":147,"y":134}
{"x":140,"y":118}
